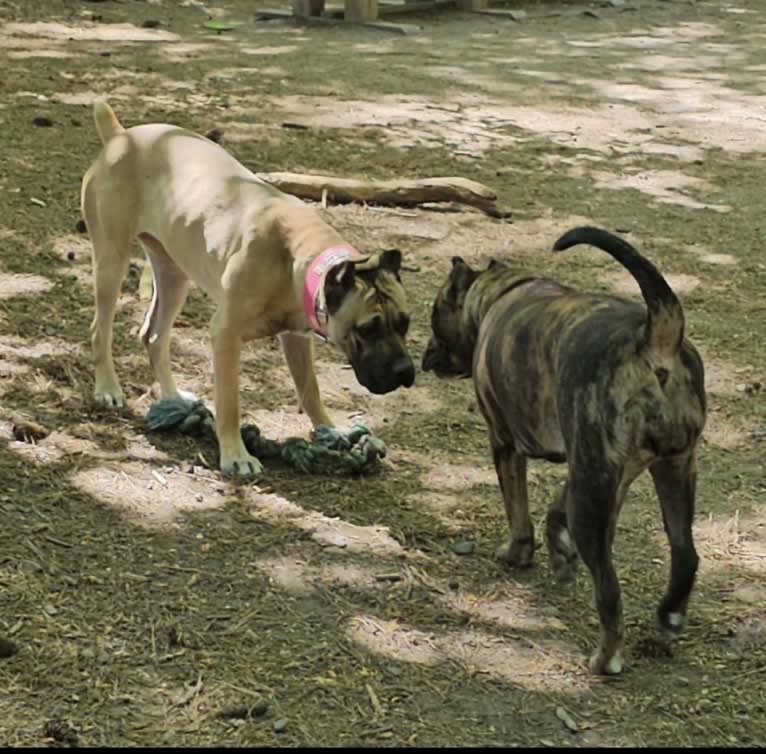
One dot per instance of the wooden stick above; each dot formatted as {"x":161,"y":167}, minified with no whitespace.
{"x":402,"y":193}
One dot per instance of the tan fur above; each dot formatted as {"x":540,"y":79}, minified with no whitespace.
{"x":202,"y":217}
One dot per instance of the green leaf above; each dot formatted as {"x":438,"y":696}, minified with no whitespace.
{"x":221,"y":25}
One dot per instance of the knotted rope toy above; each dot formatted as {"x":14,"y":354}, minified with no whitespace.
{"x":329,"y":451}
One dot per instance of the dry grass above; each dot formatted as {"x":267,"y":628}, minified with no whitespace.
{"x":155,"y":604}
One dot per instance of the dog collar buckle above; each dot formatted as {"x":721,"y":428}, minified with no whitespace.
{"x":313,"y":288}
{"x":320,"y":317}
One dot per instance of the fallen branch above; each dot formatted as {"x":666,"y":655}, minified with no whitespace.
{"x":401,"y":193}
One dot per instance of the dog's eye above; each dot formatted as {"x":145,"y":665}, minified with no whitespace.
{"x":402,"y":324}
{"x":371,"y":329}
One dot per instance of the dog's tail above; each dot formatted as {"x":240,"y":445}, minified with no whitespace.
{"x":665,"y":326}
{"x":107,"y":124}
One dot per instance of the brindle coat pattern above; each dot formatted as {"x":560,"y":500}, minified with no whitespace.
{"x":592,"y":381}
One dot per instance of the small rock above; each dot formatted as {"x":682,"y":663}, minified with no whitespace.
{"x":30,"y":566}
{"x":61,"y":732}
{"x":246,"y":711}
{"x":260,"y":708}
{"x":280,"y":725}
{"x":454,"y":584}
{"x":567,"y":719}
{"x":81,"y":227}
{"x":464,"y":547}
{"x":7,"y":648}
{"x":518,"y":15}
{"x":42,"y":121}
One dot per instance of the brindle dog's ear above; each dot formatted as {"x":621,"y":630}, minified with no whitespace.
{"x":391,"y":260}
{"x":461,"y":277}
{"x":339,"y":281}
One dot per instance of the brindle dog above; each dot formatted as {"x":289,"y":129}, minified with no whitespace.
{"x":605,"y":384}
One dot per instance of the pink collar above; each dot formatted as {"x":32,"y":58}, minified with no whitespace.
{"x":313,"y":287}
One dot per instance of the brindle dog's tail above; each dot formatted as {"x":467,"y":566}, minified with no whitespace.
{"x":665,"y":327}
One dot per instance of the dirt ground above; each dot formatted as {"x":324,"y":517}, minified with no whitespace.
{"x":155,"y":604}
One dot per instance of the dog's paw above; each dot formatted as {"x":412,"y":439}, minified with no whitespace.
{"x":243,"y":466}
{"x":518,"y":553}
{"x":600,"y":664}
{"x":670,"y":621}
{"x":109,"y":397}
{"x":563,"y":558}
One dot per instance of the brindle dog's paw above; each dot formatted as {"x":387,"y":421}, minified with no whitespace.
{"x":670,"y":621}
{"x":563,"y":558}
{"x":518,"y":553}
{"x":600,"y":664}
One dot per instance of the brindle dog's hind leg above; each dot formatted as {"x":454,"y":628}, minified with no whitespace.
{"x":675,"y":481}
{"x":512,"y":474}
{"x":562,"y":553}
{"x":591,"y":502}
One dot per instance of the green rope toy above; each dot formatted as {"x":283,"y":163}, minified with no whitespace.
{"x":329,"y":451}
